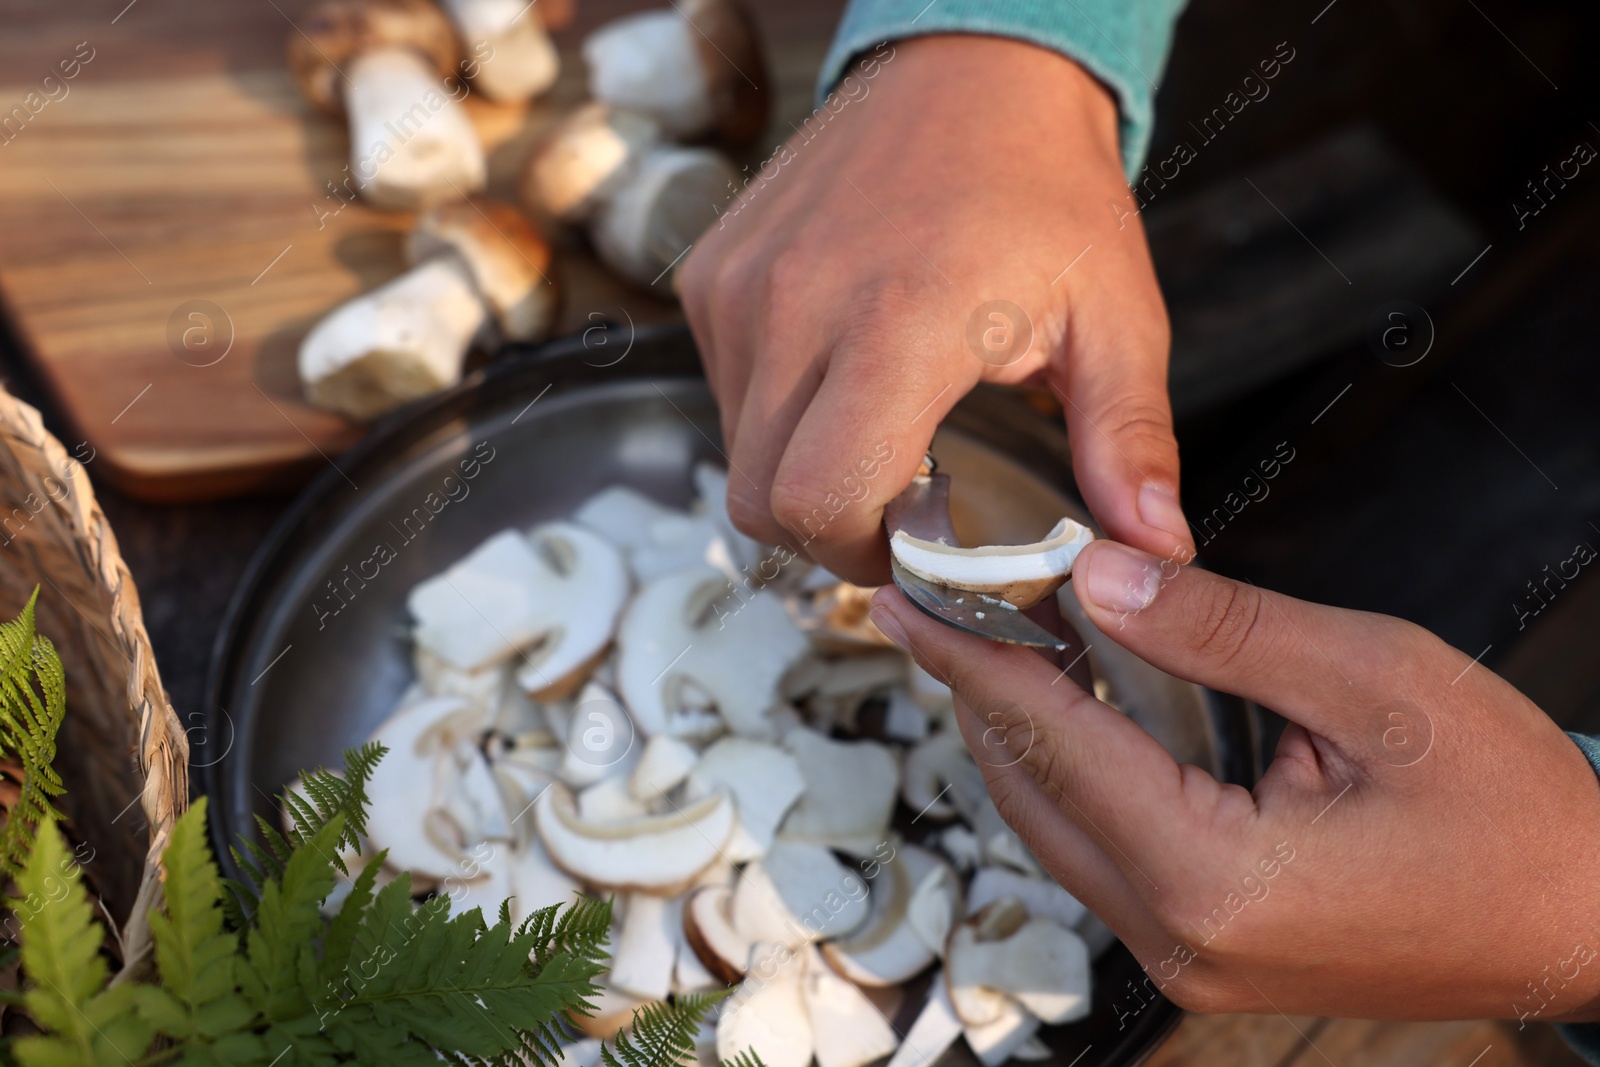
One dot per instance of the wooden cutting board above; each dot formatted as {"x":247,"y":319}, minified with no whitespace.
{"x":165,"y":236}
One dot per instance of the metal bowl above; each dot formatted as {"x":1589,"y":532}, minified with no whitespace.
{"x":313,"y":652}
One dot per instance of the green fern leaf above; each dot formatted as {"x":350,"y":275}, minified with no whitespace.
{"x":747,"y":1058}
{"x":88,"y":1024}
{"x":285,"y":927}
{"x":325,"y":795}
{"x":33,"y":701}
{"x":195,"y":956}
{"x":662,"y":1034}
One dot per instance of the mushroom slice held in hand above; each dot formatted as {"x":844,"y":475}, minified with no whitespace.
{"x":685,"y":630}
{"x":653,"y":853}
{"x":506,"y":257}
{"x":696,"y":67}
{"x":552,"y":596}
{"x":514,"y":56}
{"x":386,"y":64}
{"x":1020,"y":575}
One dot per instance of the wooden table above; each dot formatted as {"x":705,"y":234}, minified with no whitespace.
{"x":181,"y":174}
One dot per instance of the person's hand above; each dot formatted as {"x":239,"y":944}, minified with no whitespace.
{"x":1425,"y":843}
{"x":833,"y":303}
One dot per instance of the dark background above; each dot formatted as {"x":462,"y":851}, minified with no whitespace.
{"x":1394,"y":146}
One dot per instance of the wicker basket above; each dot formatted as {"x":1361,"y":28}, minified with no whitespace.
{"x":122,"y":752}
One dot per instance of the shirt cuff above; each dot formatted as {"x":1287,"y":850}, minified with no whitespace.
{"x":1584,"y":1038}
{"x":1123,"y":43}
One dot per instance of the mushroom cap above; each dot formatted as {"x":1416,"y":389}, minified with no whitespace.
{"x":584,"y":159}
{"x":506,"y":256}
{"x":338,"y":30}
{"x":735,"y":66}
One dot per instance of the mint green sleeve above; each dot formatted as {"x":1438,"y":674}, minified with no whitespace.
{"x":1123,"y":43}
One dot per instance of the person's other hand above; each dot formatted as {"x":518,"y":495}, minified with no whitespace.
{"x":1425,"y":843}
{"x":832,"y":304}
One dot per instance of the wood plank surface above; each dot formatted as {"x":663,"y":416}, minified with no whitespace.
{"x":181,"y":165}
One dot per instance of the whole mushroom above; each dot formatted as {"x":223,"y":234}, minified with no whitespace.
{"x":513,"y":56}
{"x":475,"y":262}
{"x":695,"y":67}
{"x":384,"y":64}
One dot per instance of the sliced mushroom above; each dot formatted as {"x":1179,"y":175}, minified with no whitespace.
{"x":1040,"y":964}
{"x":835,"y":615}
{"x":1032,"y":1051}
{"x":385,"y":64}
{"x":622,"y":515}
{"x":584,"y":1052}
{"x":537,"y":883}
{"x":647,"y":949}
{"x":467,"y":792}
{"x":848,"y":1030}
{"x":709,"y":932}
{"x":506,"y":257}
{"x":711,"y":485}
{"x":402,"y":792}
{"x":1019,"y":575}
{"x":552,"y":596}
{"x":767,"y":1015}
{"x":962,"y":847}
{"x":484,"y":688}
{"x":678,"y":541}
{"x":835,"y":689}
{"x":850,"y":790}
{"x":582,"y":163}
{"x":673,"y":197}
{"x":938,"y":766}
{"x":601,"y":741}
{"x":610,"y":800}
{"x":679,"y":629}
{"x":798,"y":893}
{"x":654,"y":853}
{"x":515,"y":58}
{"x":936,"y":1029}
{"x":401,"y":341}
{"x":1042,"y":897}
{"x":665,"y":763}
{"x":894,"y":944}
{"x":697,"y":68}
{"x":613,"y":1013}
{"x":904,"y":719}
{"x":997,"y":1041}
{"x":765,"y":782}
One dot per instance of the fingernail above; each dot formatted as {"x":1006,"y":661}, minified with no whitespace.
{"x":1120,"y":578}
{"x":1158,"y":507}
{"x":885,"y":620}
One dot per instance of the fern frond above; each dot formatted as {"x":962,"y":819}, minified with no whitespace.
{"x":281,"y":939}
{"x":747,"y":1058}
{"x":324,"y":795}
{"x":33,"y":701}
{"x":579,"y":929}
{"x":662,"y":1034}
{"x":199,"y":997}
{"x":67,"y":995}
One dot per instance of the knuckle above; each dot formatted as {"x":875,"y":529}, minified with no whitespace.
{"x":806,"y":509}
{"x":748,"y":512}
{"x":1146,"y":419}
{"x":1229,"y":623}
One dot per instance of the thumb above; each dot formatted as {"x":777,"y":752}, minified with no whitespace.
{"x":1309,"y":662}
{"x":1125,"y":457}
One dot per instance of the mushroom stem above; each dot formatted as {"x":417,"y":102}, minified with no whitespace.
{"x":399,"y":342}
{"x":515,"y":57}
{"x":674,"y":196}
{"x":410,"y":142}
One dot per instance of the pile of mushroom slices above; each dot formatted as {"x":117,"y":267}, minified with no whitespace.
{"x":618,"y":705}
